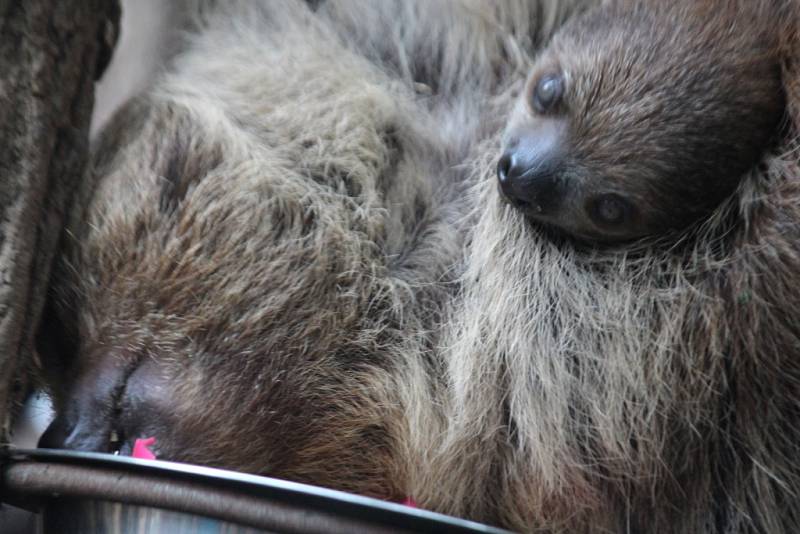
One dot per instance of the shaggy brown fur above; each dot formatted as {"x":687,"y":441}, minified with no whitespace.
{"x":647,"y":388}
{"x":264,"y":278}
{"x":270,"y":235}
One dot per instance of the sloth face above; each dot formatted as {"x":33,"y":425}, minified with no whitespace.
{"x":639,"y":120}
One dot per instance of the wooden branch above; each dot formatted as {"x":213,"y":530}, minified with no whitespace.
{"x":51,"y":52}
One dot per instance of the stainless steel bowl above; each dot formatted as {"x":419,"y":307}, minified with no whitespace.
{"x":75,"y":492}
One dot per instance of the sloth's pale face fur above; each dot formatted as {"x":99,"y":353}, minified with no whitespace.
{"x":641,"y":117}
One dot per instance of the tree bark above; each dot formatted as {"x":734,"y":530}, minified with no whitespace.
{"x":51,"y":53}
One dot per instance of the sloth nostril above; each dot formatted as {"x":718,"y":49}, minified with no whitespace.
{"x":503,"y":169}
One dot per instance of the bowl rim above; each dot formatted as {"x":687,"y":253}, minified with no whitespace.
{"x":34,"y":486}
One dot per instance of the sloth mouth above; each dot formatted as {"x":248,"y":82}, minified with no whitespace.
{"x":556,"y":234}
{"x":546,"y":225}
{"x":118,"y":442}
{"x":563,"y":238}
{"x":533,"y":216}
{"x":108,"y":409}
{"x":529,"y":209}
{"x":142,"y":409}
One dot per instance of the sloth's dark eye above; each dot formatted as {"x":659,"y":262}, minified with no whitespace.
{"x":547,"y":92}
{"x":610,"y":210}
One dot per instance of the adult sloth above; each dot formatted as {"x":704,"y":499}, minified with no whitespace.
{"x":269,"y":233}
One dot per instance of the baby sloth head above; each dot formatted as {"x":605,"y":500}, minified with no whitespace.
{"x":641,"y":117}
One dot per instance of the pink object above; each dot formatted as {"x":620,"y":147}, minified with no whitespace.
{"x":141,"y":449}
{"x":409,"y":501}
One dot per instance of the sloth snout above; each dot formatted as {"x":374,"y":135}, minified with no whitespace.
{"x":531,"y":170}
{"x":79,"y":432}
{"x":531,"y":180}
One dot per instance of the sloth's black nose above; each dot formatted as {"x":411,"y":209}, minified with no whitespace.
{"x":531,"y":178}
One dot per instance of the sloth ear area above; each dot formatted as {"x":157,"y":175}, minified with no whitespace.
{"x":181,"y":160}
{"x":155,"y":146}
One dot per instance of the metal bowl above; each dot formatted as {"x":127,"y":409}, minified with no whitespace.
{"x":76,"y":492}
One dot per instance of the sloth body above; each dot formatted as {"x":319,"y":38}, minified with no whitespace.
{"x":269,"y":238}
{"x":294,"y":260}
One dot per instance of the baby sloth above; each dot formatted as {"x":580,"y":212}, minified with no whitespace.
{"x":641,"y":117}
